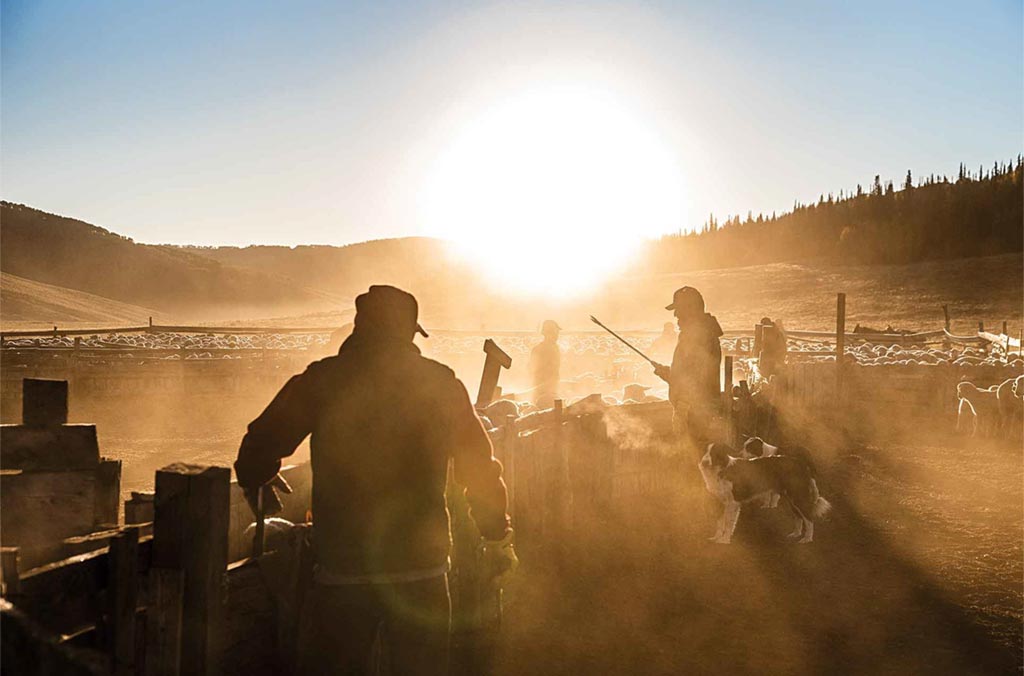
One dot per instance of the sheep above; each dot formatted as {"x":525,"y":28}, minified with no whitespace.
{"x":981,"y":404}
{"x":1011,"y":406}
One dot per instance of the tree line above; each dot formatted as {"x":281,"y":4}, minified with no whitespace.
{"x":977,"y":213}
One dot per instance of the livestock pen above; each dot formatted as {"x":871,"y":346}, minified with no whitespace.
{"x":198,"y":595}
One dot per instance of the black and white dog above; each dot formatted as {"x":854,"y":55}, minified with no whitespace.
{"x":736,"y":480}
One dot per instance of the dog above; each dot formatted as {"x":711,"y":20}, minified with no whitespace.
{"x":735,"y":481}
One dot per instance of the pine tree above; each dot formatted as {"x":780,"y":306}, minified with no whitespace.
{"x":909,"y":183}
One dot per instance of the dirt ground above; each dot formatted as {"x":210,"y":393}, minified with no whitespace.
{"x":918,"y":570}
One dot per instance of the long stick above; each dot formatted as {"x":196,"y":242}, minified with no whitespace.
{"x":623,"y":341}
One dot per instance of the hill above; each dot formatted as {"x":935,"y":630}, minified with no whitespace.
{"x":977,"y":214}
{"x":803,"y":294}
{"x":447,"y":288}
{"x":29,"y":304}
{"x":69,"y":253}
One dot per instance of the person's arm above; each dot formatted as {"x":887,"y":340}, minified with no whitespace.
{"x":277,"y":432}
{"x":476,"y":468}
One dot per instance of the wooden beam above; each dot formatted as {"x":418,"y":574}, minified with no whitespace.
{"x":190,"y":534}
{"x":122,"y":600}
{"x":840,"y":344}
{"x":509,"y":447}
{"x":10,"y":575}
{"x":163,"y":622}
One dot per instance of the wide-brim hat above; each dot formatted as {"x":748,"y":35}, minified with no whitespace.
{"x":388,"y":309}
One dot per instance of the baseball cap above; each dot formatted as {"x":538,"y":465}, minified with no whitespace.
{"x":687,"y":297}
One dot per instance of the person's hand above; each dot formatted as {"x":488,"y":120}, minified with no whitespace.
{"x":498,"y":560}
{"x":662,"y":371}
{"x":271,"y":502}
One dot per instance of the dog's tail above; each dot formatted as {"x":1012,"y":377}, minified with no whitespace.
{"x":820,"y":507}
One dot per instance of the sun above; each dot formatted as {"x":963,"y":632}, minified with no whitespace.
{"x":551,"y":190}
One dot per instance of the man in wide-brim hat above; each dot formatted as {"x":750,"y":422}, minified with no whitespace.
{"x":385,"y":421}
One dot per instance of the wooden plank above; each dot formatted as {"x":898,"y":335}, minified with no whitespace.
{"x":50,"y":448}
{"x":27,"y":648}
{"x":190,"y":529}
{"x":107,"y":498}
{"x":163,"y":622}
{"x":38,"y":510}
{"x":122,"y":600}
{"x":64,"y":596}
{"x":11,"y":578}
{"x":840,"y":346}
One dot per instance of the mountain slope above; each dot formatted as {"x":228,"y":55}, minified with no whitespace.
{"x":69,"y":253}
{"x":27,"y":302}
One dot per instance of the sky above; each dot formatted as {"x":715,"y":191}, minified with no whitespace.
{"x":327,"y":122}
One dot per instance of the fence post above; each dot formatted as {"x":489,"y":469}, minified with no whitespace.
{"x":509,"y":456}
{"x":11,"y":577}
{"x":727,"y":397}
{"x":840,"y":345}
{"x":122,"y":596}
{"x":163,"y":622}
{"x":190,"y":534}
{"x":758,"y":340}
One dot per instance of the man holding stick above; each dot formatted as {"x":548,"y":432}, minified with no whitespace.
{"x":694,"y":377}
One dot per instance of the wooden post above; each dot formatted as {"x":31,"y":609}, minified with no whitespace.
{"x":1004,"y":329}
{"x":727,"y":397}
{"x":163,"y":622}
{"x":758,"y":340}
{"x":509,"y":443}
{"x":190,"y":534}
{"x":122,"y":599}
{"x":259,"y":533}
{"x":557,"y":501}
{"x":11,"y":577}
{"x":981,"y":327}
{"x":840,"y":345}
{"x":945,"y":312}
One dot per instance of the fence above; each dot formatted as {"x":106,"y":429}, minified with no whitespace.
{"x":198,"y":595}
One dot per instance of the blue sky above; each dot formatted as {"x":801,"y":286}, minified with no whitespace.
{"x":319,"y":122}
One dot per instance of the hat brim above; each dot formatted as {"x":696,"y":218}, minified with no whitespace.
{"x":419,"y":330}
{"x":670,"y":306}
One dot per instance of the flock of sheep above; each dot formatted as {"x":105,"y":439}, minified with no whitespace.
{"x":178,"y":341}
{"x":594,"y":362}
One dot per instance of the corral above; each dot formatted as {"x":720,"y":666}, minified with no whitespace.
{"x":610,"y":524}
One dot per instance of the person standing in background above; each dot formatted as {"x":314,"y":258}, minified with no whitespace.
{"x":545,"y":365}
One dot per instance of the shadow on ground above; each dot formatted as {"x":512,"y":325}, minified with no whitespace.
{"x":647,"y":593}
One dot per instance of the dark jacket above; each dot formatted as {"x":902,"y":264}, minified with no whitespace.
{"x":696,"y":364}
{"x":384,"y":422}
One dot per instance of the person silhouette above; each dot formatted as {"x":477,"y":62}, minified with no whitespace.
{"x":384,"y":422}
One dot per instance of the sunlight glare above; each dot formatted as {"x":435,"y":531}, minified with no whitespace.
{"x":550,"y":191}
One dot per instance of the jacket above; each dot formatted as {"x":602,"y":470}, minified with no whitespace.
{"x":695,"y":377}
{"x":384,"y":422}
